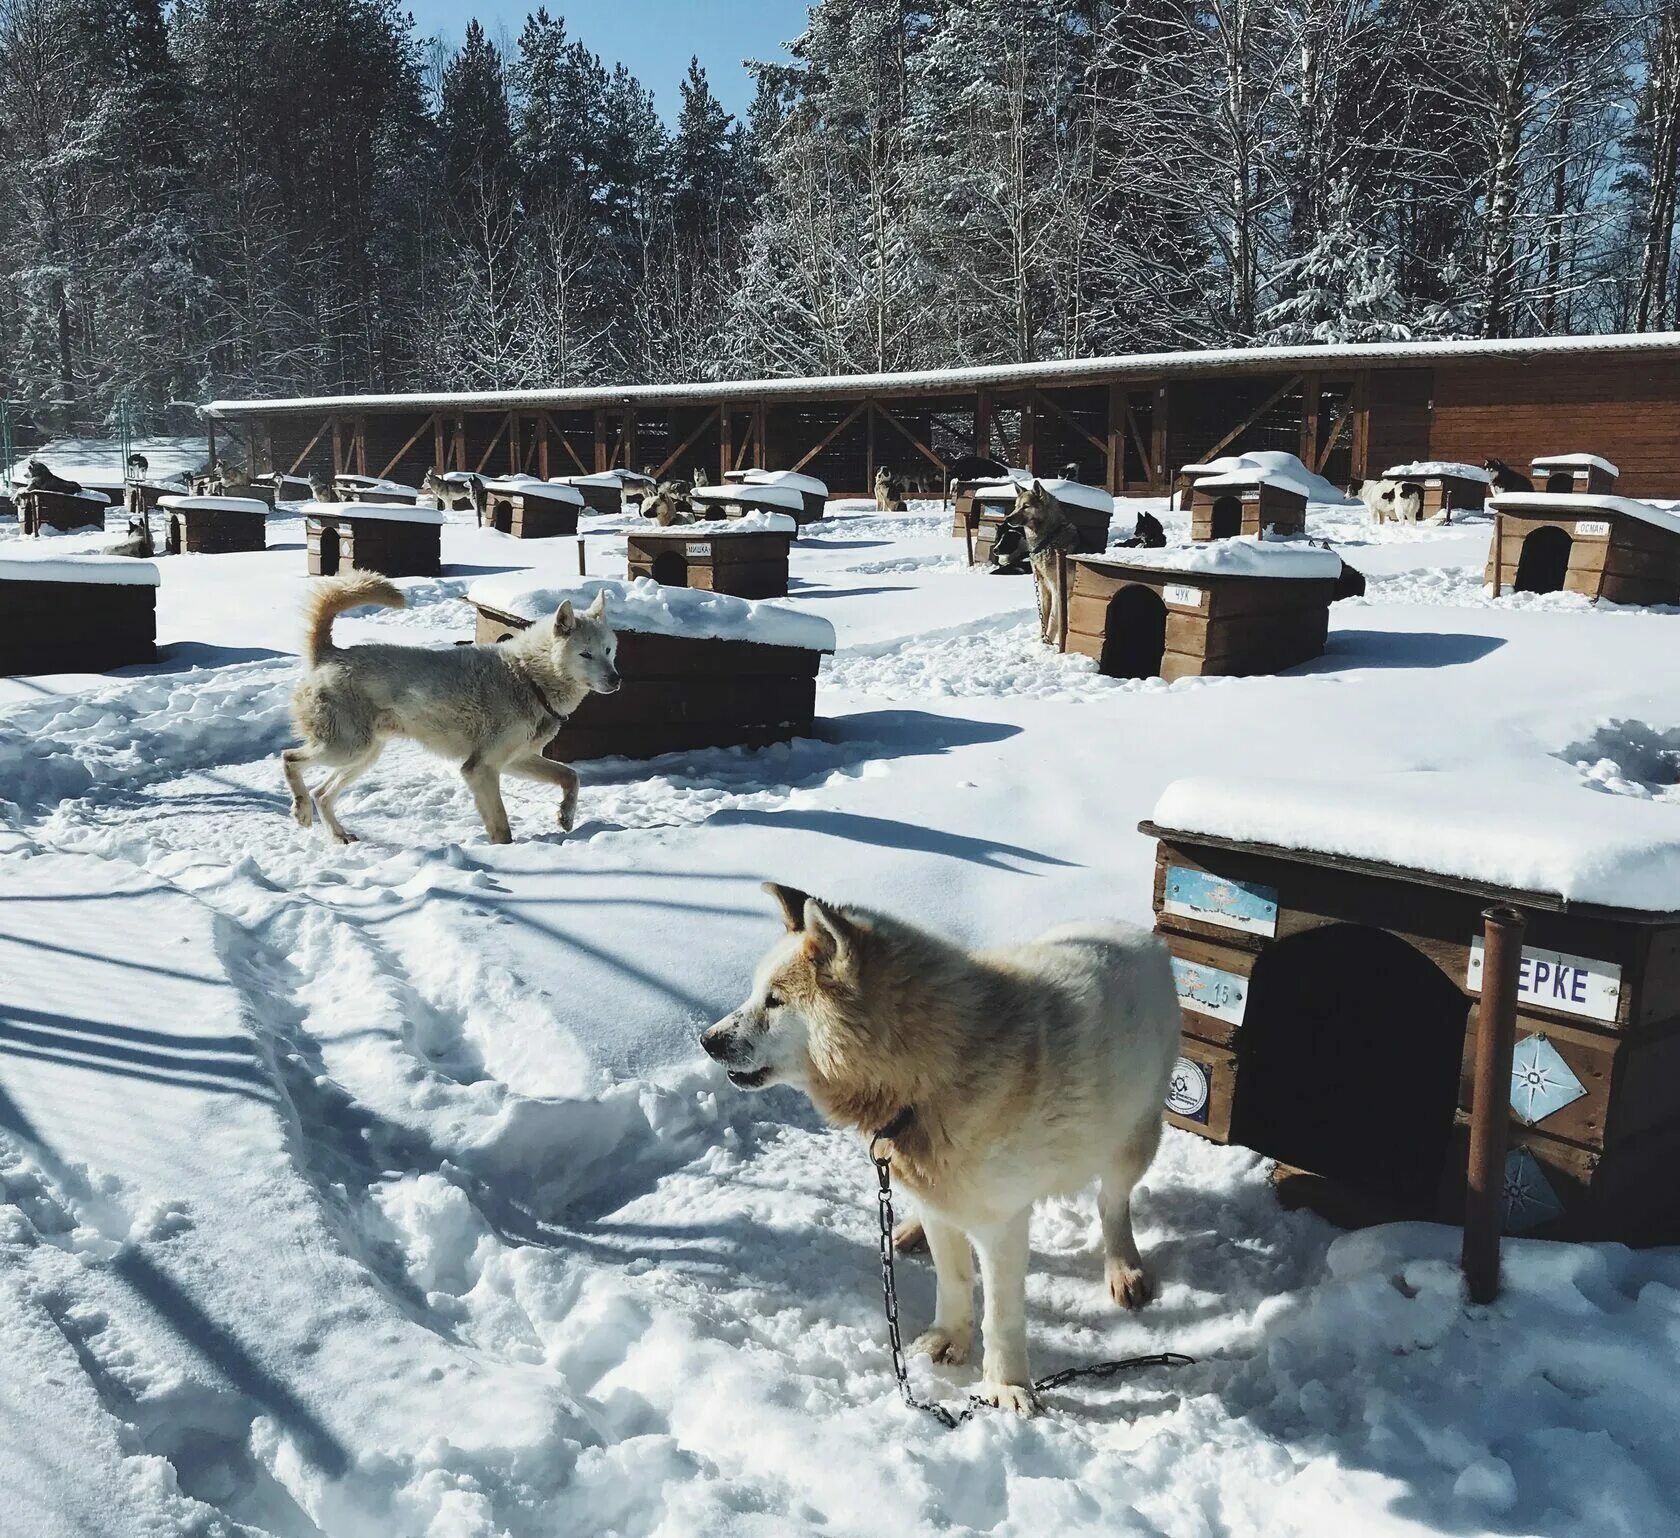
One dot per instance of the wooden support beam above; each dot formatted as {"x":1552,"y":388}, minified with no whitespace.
{"x":1361,"y":403}
{"x":516,"y":446}
{"x":490,"y":447}
{"x":688,"y":442}
{"x":414,"y":438}
{"x":833,"y":433}
{"x":1343,"y":417}
{"x":337,"y":448}
{"x":726,"y":454}
{"x":915,"y":442}
{"x":1066,"y":416}
{"x":1311,"y":389}
{"x":601,"y":441}
{"x":542,"y":444}
{"x":1249,"y":421}
{"x":309,"y":447}
{"x":565,"y":442}
{"x":460,"y":442}
{"x":869,"y":448}
{"x":744,"y":453}
{"x":1029,"y":435}
{"x":361,"y":445}
{"x":628,"y":437}
{"x":761,"y":413}
{"x":1159,"y":470}
{"x":437,"y":442}
{"x":983,"y":423}
{"x":1119,"y":418}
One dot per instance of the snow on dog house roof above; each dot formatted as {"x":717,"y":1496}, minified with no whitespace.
{"x":361,"y":512}
{"x":186,"y":504}
{"x":777,"y":495}
{"x":1270,"y":466}
{"x":1571,"y":503}
{"x":807,"y":484}
{"x":747,"y":523}
{"x":374,"y":483}
{"x":1239,"y":556}
{"x":1422,"y":469}
{"x":619,"y":478}
{"x":1529,"y":829}
{"x":651,"y":608}
{"x":1073,"y":493}
{"x":107,"y":570}
{"x":1573,"y":462}
{"x":531,"y":486}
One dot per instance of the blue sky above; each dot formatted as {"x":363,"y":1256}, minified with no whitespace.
{"x":653,"y":38}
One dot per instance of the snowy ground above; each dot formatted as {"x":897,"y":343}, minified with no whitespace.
{"x":383,"y":1190}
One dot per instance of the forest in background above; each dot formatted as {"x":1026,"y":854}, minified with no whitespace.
{"x":257,"y":198}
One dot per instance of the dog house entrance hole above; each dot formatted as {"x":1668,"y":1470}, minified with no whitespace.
{"x":1560,"y":480}
{"x":1544,"y":562}
{"x":501,"y":516}
{"x":1227,"y":517}
{"x":670,"y":569}
{"x":329,"y":551}
{"x":1352,"y":1046}
{"x":1135,"y":634}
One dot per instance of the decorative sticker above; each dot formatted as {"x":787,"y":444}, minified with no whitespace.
{"x":1210,"y":991}
{"x":1541,"y":1082}
{"x":699,"y":548}
{"x":1183,"y":596}
{"x":1196,"y":894}
{"x":1187,"y":1090}
{"x":1592,"y":528}
{"x":1572,"y":985}
{"x":1529,"y":1197}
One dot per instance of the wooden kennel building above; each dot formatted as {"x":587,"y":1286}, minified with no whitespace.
{"x":750,"y":687}
{"x":1198,"y":612}
{"x":394,"y":540}
{"x":1330,"y":1020}
{"x":76,"y":613}
{"x":1581,"y":473}
{"x":1236,"y":502}
{"x":1089,"y":509}
{"x":531,"y":509}
{"x":214,"y":525}
{"x":1446,"y":488}
{"x":1609,"y":547}
{"x":747,"y":557}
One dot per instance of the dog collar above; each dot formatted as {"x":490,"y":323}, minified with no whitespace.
{"x":894,"y":1128}
{"x":542,"y":699}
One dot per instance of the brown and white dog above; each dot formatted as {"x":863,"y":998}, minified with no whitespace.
{"x":1001,"y":1077}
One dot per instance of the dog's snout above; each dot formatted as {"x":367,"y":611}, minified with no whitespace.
{"x":716,"y":1040}
{"x":610,"y":682}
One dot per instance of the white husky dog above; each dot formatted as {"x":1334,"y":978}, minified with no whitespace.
{"x":998,"y":1077}
{"x":490,"y":708}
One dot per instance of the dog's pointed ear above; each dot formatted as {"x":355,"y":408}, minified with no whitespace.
{"x":599,"y":607}
{"x":830,"y":937}
{"x":565,"y":621}
{"x":792,"y":903}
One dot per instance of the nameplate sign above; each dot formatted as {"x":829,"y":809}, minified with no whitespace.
{"x":1573,"y":985}
{"x":1181,"y":596}
{"x":1592,"y":528}
{"x":1195,"y":894}
{"x":701,"y":547}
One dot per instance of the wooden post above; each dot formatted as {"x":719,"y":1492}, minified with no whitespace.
{"x":210,"y":434}
{"x":726,"y":424}
{"x":983,"y":423}
{"x":1490,"y":1103}
{"x":338,"y":448}
{"x":601,"y":441}
{"x":869,"y":450}
{"x":361,"y":445}
{"x":1310,"y":388}
{"x":542,"y":444}
{"x":437,"y":442}
{"x":1160,"y":474}
{"x":1116,"y":436}
{"x":761,"y":455}
{"x":629,"y":437}
{"x":1029,"y":438}
{"x":515,"y":444}
{"x":1360,"y":469}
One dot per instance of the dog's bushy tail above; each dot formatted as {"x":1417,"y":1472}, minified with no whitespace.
{"x":331,"y":597}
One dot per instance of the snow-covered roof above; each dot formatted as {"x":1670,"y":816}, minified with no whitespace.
{"x":620,"y":478}
{"x":769,"y":496}
{"x":1422,"y":469}
{"x":1572,"y":462}
{"x":85,"y":494}
{"x":1237,"y":557}
{"x":1221,"y":360}
{"x":747,"y":523}
{"x":548,"y":491}
{"x":1272,"y":466}
{"x":650,"y":608}
{"x":185,"y":504}
{"x":375,"y":483}
{"x":32,"y":563}
{"x":1071,"y":493}
{"x":1547,"y":835}
{"x":1575,"y":504}
{"x":808,"y":484}
{"x":363,"y":512}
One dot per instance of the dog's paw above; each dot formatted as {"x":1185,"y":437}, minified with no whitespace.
{"x":303,"y":810}
{"x":567,"y":818}
{"x":1018,"y":1397}
{"x":909,"y":1236}
{"x":344,"y":836}
{"x":1129,"y":1286}
{"x":948,"y":1346}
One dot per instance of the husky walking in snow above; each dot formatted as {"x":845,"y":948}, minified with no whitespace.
{"x":1048,"y":531}
{"x":489,"y":708}
{"x":990,"y":1079}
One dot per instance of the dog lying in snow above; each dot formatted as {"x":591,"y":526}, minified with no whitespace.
{"x":490,"y":708}
{"x":1001,"y":1077}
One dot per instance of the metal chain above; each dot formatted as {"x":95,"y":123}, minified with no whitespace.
{"x":889,"y":1297}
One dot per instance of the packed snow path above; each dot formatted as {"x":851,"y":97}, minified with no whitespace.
{"x":383,"y":1190}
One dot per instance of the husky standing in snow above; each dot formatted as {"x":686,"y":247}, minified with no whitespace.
{"x":490,"y":708}
{"x":889,"y":492}
{"x":1048,"y":531}
{"x":990,"y":1079}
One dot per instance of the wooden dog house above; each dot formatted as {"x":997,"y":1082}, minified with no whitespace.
{"x":373,"y":488}
{"x":813,"y":494}
{"x":214,"y":525}
{"x":1234,"y":608}
{"x":1235,"y":502}
{"x":61,"y":512}
{"x":531,"y":509}
{"x":1089,"y":509}
{"x":291,"y":488}
{"x":392,"y":539}
{"x":700,"y":670}
{"x":963,"y":494}
{"x":747,"y":557}
{"x":741,"y":498}
{"x":1448,"y":487}
{"x":1330,"y":999}
{"x":1615,"y":548}
{"x":607,"y":491}
{"x":1584,"y":474}
{"x":76,"y":613}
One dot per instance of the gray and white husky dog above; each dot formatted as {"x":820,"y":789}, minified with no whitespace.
{"x":1048,"y":531}
{"x":489,"y":708}
{"x":990,"y":1079}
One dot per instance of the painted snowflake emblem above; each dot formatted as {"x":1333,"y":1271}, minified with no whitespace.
{"x":1529,"y":1197}
{"x":1541,"y":1082}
